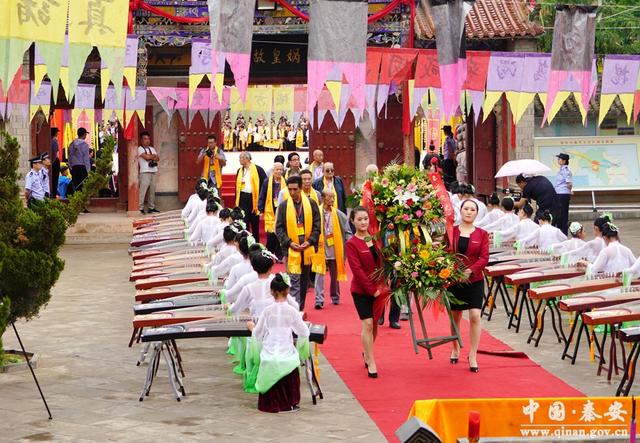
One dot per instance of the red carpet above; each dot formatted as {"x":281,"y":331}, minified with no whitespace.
{"x":405,"y":376}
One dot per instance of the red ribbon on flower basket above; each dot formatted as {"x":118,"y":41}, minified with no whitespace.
{"x":367,"y":202}
{"x":443,"y":196}
{"x":381,"y":302}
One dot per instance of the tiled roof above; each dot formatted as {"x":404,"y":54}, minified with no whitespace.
{"x":488,"y":19}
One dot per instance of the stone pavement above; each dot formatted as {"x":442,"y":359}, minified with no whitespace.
{"x":92,"y":384}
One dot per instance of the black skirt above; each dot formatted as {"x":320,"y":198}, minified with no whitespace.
{"x":364,"y":305}
{"x":471,"y":294}
{"x":282,"y":396}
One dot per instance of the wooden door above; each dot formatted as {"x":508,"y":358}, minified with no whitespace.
{"x":389,"y":133}
{"x":190,"y":141}
{"x":337,"y":144}
{"x":482,"y":159}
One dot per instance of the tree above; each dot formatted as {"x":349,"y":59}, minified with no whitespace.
{"x":30,"y":238}
{"x":617,"y":29}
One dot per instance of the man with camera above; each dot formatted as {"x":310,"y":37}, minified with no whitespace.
{"x":148,"y":164}
{"x":214,"y":160}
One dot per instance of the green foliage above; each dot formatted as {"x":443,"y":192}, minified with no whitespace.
{"x":30,"y":238}
{"x":617,"y":29}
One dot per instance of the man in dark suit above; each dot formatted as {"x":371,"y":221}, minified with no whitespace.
{"x":330,"y":180}
{"x":249,"y":181}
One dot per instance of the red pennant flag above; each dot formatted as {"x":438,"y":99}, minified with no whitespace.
{"x":427,"y":71}
{"x":373,"y":66}
{"x":477,"y":69}
{"x":396,"y":65}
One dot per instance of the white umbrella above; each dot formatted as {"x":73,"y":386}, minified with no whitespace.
{"x":527,"y":166}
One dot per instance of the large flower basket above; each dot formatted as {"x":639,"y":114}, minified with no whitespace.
{"x":414,"y":221}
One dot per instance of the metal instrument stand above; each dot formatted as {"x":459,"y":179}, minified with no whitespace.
{"x":33,"y":374}
{"x":426,"y":342}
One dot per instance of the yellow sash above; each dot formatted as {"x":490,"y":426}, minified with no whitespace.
{"x":338,"y":245}
{"x":299,"y":138}
{"x":333,"y":188}
{"x":294,"y":259}
{"x":216,"y":168}
{"x":255,"y":186}
{"x":313,"y":195}
{"x":269,"y":209}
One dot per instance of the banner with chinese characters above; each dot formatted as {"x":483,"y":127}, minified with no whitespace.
{"x":534,"y":81}
{"x":200,"y":65}
{"x":619,"y":78}
{"x":337,"y":50}
{"x":283,"y":102}
{"x":199,"y":104}
{"x":131,"y":62}
{"x":83,"y":114}
{"x":476,"y":81}
{"x":25,"y":21}
{"x":231,"y":26}
{"x":259,"y":102}
{"x":99,"y":23}
{"x":506,"y":71}
{"x":548,"y":418}
{"x":40,"y":100}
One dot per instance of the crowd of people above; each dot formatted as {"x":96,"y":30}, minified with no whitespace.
{"x":264,"y":134}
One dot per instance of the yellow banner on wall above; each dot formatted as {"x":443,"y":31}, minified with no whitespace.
{"x":99,"y":23}
{"x":528,"y":417}
{"x":35,"y":20}
{"x":283,"y":100}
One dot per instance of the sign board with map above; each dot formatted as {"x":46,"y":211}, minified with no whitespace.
{"x":597,"y":163}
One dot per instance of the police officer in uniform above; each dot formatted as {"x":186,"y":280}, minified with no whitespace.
{"x":564,"y":189}
{"x":33,"y":189}
{"x":44,"y":174}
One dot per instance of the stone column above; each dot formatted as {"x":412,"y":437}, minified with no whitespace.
{"x":132,"y":169}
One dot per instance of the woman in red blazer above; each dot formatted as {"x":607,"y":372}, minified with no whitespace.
{"x":364,"y":260}
{"x":472,"y":244}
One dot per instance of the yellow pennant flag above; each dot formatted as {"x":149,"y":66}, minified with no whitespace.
{"x":335,"y":89}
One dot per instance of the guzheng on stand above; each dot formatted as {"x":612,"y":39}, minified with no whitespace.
{"x":612,"y":319}
{"x":629,"y":335}
{"x":163,"y":342}
{"x":547,"y":295}
{"x":522,"y":281}
{"x":169,"y":317}
{"x":495,"y":282}
{"x":585,"y":303}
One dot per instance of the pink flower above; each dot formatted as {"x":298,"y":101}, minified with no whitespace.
{"x":412,"y":188}
{"x":397,"y":265}
{"x":384,"y":182}
{"x":405,"y":217}
{"x":419,"y":213}
{"x":414,"y":274}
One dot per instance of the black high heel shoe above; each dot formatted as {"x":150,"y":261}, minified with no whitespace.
{"x":372,"y":374}
{"x":453,"y":360}
{"x":474,"y":369}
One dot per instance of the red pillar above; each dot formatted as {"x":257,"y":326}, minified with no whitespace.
{"x":132,"y":163}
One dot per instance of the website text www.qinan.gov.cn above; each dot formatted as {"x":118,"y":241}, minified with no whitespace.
{"x":569,"y":432}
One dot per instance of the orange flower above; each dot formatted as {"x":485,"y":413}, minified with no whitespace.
{"x":445,"y":273}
